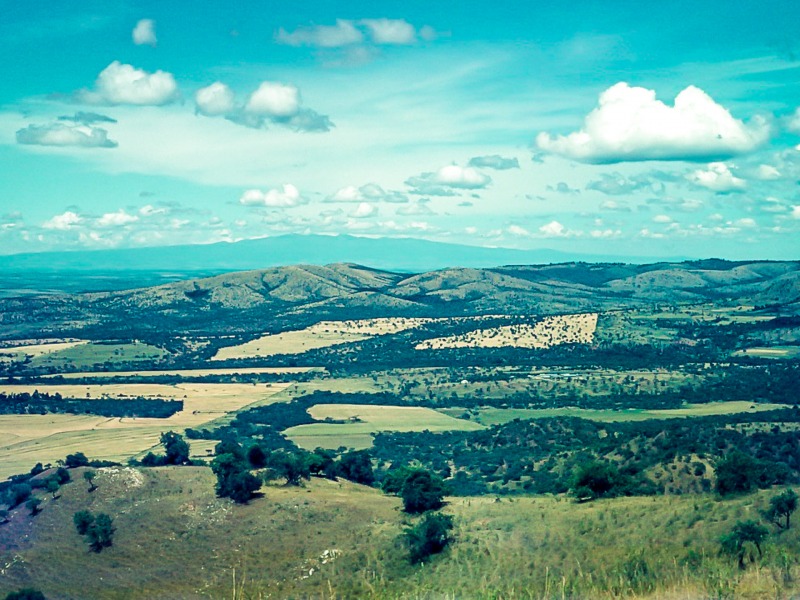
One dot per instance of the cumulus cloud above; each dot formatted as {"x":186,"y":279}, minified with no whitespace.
{"x":615,"y":206}
{"x":493,"y":161}
{"x":518,"y":231}
{"x":630,"y":124}
{"x":562,"y":187}
{"x":343,"y":33}
{"x":214,"y":100}
{"x":717,"y":178}
{"x":793,"y":123}
{"x":390,"y":31}
{"x":446,"y":180}
{"x":796,"y":212}
{"x":363,"y":210}
{"x":58,"y":134}
{"x":272,"y":102}
{"x":616,"y":184}
{"x":767,"y":173}
{"x":116,"y":219}
{"x":144,"y":34}
{"x":285,"y":197}
{"x":120,"y":83}
{"x":369,"y":192}
{"x":420,"y":207}
{"x":64,"y":221}
{"x":87,"y":118}
{"x":553,"y":229}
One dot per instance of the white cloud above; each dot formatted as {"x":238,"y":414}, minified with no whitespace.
{"x":794,"y":122}
{"x":662,"y":219}
{"x":364,"y":210}
{"x":553,"y":229}
{"x":718,"y":178}
{"x":148,"y":210}
{"x":344,"y":33}
{"x":63,"y":222}
{"x":605,"y":233}
{"x":614,"y":205}
{"x":116,"y":219}
{"x":368,"y":192}
{"x":214,"y":100}
{"x":630,"y":124}
{"x":518,"y":231}
{"x":145,"y":33}
{"x":796,"y":212}
{"x":494,"y":161}
{"x":390,"y":31}
{"x":275,"y":100}
{"x":58,"y":134}
{"x":767,"y":173}
{"x":746,"y":223}
{"x":124,"y":84}
{"x":448,"y":178}
{"x":285,"y":197}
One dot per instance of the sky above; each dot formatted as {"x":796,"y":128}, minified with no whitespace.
{"x":616,"y":128}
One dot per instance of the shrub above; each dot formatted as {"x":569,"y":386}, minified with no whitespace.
{"x":430,"y":536}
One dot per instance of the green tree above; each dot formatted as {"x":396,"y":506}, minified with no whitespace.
{"x":781,"y":508}
{"x":26,"y":594}
{"x":395,"y":478}
{"x":62,"y":475}
{"x":76,"y":460}
{"x":3,"y":516}
{"x":52,"y":487}
{"x":736,"y":542}
{"x":256,"y":457}
{"x":430,"y":536}
{"x":234,"y":479}
{"x":737,"y":473}
{"x":100,"y":533}
{"x":19,"y":493}
{"x":356,"y":466}
{"x":292,"y":466}
{"x":594,"y":480}
{"x":89,"y":476}
{"x":422,"y":491}
{"x":33,"y":504}
{"x":82,"y":520}
{"x":176,"y":447}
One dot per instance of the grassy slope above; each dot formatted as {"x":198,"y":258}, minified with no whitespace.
{"x":176,"y":540}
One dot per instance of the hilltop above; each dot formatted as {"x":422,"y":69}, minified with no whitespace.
{"x":283,"y":297}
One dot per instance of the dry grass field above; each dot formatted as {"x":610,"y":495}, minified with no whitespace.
{"x":28,"y":439}
{"x":191,"y":372}
{"x":319,"y":335}
{"x":548,"y":332}
{"x":770,"y":352}
{"x":366,"y":419}
{"x":36,"y":350}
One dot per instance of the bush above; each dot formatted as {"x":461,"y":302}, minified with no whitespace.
{"x":430,"y":536}
{"x":356,"y":466}
{"x":422,"y":491}
{"x":82,"y":520}
{"x":26,"y":594}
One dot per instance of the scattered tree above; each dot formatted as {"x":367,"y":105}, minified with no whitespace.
{"x":594,"y":480}
{"x":19,"y":493}
{"x":356,"y":466}
{"x":430,"y":536}
{"x":737,"y":473}
{"x":33,"y":504}
{"x":76,"y":460}
{"x":100,"y":533}
{"x":234,"y":479}
{"x":52,"y":487}
{"x":744,"y":533}
{"x":89,"y":476}
{"x":176,"y":447}
{"x":3,"y":516}
{"x":781,"y":508}
{"x":82,"y":520}
{"x":292,"y":466}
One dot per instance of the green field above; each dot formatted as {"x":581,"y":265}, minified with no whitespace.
{"x":497,"y":416}
{"x":175,"y":539}
{"x":770,"y":352}
{"x":89,"y":355}
{"x":371,"y":419}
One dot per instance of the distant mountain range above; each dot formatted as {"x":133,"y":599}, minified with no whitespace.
{"x":406,"y":255}
{"x":294,"y":296}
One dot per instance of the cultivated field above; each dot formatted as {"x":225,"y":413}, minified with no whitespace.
{"x":497,"y":416}
{"x":28,"y":439}
{"x":367,"y":419}
{"x":81,"y":355}
{"x":319,"y":335}
{"x":770,"y":352}
{"x":548,"y":332}
{"x":36,"y":350}
{"x":191,"y":372}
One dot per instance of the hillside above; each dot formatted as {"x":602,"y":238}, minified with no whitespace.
{"x":340,"y":540}
{"x":284,"y":297}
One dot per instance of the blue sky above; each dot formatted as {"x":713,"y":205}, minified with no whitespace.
{"x":629,"y":128}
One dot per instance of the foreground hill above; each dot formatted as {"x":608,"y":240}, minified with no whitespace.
{"x":340,"y":540}
{"x":284,"y":297}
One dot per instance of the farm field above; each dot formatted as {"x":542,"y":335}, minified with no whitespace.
{"x":370,"y":419}
{"x":770,"y":352}
{"x":320,"y":335}
{"x":546,"y":333}
{"x":28,"y":439}
{"x":36,"y":350}
{"x":87,"y":355}
{"x":191,"y":372}
{"x":497,"y":416}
